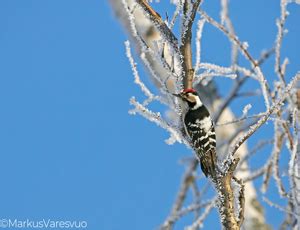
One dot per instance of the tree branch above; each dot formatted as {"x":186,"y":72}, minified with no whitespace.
{"x":223,"y":184}
{"x":185,"y":47}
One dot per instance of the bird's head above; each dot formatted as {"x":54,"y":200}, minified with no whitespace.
{"x":191,"y":97}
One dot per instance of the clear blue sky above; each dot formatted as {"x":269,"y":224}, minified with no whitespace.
{"x":69,"y":149}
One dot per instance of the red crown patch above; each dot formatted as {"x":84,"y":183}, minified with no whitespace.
{"x":189,"y":90}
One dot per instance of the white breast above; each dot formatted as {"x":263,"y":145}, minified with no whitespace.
{"x":205,"y":123}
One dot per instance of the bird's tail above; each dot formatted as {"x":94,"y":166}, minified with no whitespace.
{"x":208,"y":163}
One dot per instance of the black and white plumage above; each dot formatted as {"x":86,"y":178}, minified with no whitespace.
{"x":200,"y":128}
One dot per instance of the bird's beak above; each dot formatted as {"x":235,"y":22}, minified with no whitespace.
{"x":177,"y":95}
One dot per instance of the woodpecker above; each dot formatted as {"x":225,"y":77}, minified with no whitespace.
{"x":200,"y":129}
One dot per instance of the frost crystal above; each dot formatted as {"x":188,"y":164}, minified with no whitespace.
{"x":246,"y":110}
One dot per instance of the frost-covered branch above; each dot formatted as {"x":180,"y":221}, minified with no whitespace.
{"x":226,"y":198}
{"x":239,"y":83}
{"x":189,"y":13}
{"x":280,"y":25}
{"x":262,"y":120}
{"x":137,"y":79}
{"x":199,"y":222}
{"x":187,"y":180}
{"x":242,"y":45}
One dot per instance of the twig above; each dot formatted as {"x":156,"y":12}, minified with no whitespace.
{"x":176,"y":13}
{"x":238,"y":84}
{"x":241,"y":119}
{"x":198,"y":44}
{"x":280,"y":25}
{"x":187,"y":210}
{"x":255,"y":150}
{"x":276,"y":151}
{"x":225,"y":19}
{"x":185,"y":184}
{"x":199,"y":222}
{"x":231,"y":36}
{"x":272,"y":204}
{"x":137,"y":79}
{"x":157,"y":119}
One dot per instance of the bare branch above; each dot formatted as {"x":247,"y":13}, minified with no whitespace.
{"x":280,"y":25}
{"x":232,"y":37}
{"x":137,"y":79}
{"x":226,"y":196}
{"x":199,"y":222}
{"x":189,"y":11}
{"x":238,"y":84}
{"x":276,"y":151}
{"x":188,"y":178}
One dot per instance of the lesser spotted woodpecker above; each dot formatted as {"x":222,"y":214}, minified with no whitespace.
{"x":200,"y":129}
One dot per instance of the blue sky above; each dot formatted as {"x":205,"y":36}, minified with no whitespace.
{"x":69,"y":149}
